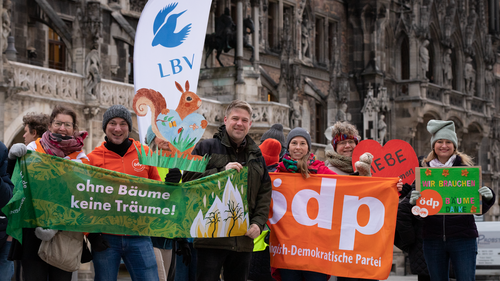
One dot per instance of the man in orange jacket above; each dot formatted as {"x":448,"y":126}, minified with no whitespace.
{"x":118,"y":153}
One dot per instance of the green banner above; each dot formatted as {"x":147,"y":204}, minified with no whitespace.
{"x":449,"y":190}
{"x":61,"y":194}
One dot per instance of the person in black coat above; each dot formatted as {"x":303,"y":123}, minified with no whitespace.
{"x":6,"y":189}
{"x":450,"y":238}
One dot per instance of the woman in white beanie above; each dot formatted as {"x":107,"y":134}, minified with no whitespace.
{"x":450,"y":238}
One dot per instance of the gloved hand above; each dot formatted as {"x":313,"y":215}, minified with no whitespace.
{"x":364,"y":164}
{"x":97,"y":242}
{"x":174,"y":175}
{"x":486,"y":192}
{"x":45,"y":234}
{"x":415,"y":194}
{"x":184,"y":251}
{"x":17,"y":150}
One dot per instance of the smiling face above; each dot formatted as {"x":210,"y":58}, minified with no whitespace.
{"x":28,"y":136}
{"x":345,"y":147}
{"x":444,"y":149}
{"x":62,"y":124}
{"x":117,"y":130}
{"x":298,"y":148}
{"x":237,"y":123}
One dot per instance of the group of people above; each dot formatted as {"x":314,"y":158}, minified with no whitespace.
{"x":441,"y":238}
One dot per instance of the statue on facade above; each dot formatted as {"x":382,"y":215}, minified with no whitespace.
{"x":490,"y":83}
{"x":296,"y":111}
{"x":342,"y":114}
{"x":447,"y":68}
{"x":224,"y":26}
{"x":5,"y":24}
{"x":224,"y":39}
{"x":424,"y":58}
{"x":495,"y":157}
{"x":306,"y":28}
{"x":382,"y":129}
{"x":93,"y":74}
{"x":470,"y":76}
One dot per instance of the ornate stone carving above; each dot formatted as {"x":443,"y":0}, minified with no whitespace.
{"x":489,"y":78}
{"x":116,"y":93}
{"x":469,"y":31}
{"x":93,"y":71}
{"x":94,"y":22}
{"x":6,"y":10}
{"x":48,"y":83}
{"x":137,"y":5}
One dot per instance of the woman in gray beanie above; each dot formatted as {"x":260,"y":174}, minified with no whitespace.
{"x":299,"y":159}
{"x":450,"y":238}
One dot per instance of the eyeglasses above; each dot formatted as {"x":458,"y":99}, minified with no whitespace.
{"x":345,"y":142}
{"x":58,"y":124}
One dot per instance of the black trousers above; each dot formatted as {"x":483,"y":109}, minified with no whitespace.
{"x":210,"y":262}
{"x":38,"y":270}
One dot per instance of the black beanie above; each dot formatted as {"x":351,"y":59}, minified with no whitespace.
{"x":276,"y":132}
{"x":117,"y":111}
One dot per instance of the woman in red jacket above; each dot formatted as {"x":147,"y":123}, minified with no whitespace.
{"x":299,"y":159}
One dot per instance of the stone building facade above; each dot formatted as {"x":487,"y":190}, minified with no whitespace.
{"x":386,"y":66}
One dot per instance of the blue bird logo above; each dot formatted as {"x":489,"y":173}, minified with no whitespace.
{"x":164,"y":28}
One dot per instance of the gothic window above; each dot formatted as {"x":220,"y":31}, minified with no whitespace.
{"x":272,"y":26}
{"x":319,"y":40}
{"x":130,"y":64}
{"x":454,"y":81}
{"x":319,"y":123}
{"x":332,"y":38}
{"x":57,"y":51}
{"x":430,"y":73}
{"x":405,"y":59}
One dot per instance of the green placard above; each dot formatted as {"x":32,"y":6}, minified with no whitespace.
{"x":56,"y":193}
{"x":455,"y":189}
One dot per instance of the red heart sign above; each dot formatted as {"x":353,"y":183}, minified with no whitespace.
{"x":395,"y":159}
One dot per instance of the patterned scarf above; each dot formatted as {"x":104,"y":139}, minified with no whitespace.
{"x":341,"y":162}
{"x":290,"y":165}
{"x":61,"y":146}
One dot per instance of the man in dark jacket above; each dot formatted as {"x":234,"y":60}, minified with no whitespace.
{"x":232,"y":148}
{"x":6,"y":188}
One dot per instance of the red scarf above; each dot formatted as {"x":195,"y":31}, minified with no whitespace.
{"x":61,"y":146}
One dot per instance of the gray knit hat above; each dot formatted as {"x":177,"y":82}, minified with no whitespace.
{"x":298,"y":132}
{"x":117,"y":111}
{"x":442,"y":130}
{"x":276,"y":132}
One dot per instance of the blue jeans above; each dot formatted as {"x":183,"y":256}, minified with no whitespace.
{"x":137,"y":253}
{"x":186,"y":272}
{"x":6,"y":266}
{"x":299,"y":275}
{"x":462,"y":253}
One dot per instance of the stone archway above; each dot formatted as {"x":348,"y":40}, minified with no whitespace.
{"x":15,"y":131}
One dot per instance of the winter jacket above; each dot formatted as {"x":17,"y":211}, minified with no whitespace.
{"x":221,"y":152}
{"x":128,"y":164}
{"x":461,"y":226}
{"x":6,"y":188}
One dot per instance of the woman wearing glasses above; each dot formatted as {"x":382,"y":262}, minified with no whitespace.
{"x":62,"y":140}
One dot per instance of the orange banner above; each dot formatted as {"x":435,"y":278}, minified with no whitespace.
{"x":337,"y":225}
